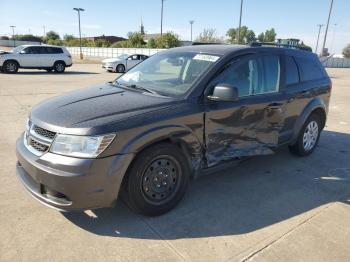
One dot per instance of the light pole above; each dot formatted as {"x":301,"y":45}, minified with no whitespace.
{"x":325,"y":34}
{"x":318,"y":36}
{"x":44,"y":30}
{"x":13,"y":35}
{"x":191,"y":23}
{"x":161,"y":18}
{"x":79,"y":10}
{"x":240,"y":21}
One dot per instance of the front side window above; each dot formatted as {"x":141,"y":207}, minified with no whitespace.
{"x":255,"y":76}
{"x":170,"y":74}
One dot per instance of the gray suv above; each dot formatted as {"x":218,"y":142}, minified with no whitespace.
{"x":160,"y":124}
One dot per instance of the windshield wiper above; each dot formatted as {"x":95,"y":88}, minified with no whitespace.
{"x":133,"y":86}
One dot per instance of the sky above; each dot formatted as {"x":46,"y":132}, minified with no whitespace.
{"x":291,"y":19}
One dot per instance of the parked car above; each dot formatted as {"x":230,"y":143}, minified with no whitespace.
{"x":46,"y":57}
{"x":123,"y":62}
{"x":165,"y":120}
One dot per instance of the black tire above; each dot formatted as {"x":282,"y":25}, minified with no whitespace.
{"x":157,"y":180}
{"x":59,"y":67}
{"x":10,"y":67}
{"x":300,"y":148}
{"x":120,"y":68}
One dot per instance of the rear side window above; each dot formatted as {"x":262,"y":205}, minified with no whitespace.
{"x":310,"y":69}
{"x":54,"y":50}
{"x":292,"y":73}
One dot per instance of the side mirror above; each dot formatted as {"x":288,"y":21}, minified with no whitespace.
{"x":224,"y":92}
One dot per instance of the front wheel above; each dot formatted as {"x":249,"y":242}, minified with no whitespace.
{"x":10,"y":67}
{"x":59,"y":67}
{"x":120,"y":69}
{"x":308,"y":137}
{"x":157,"y":180}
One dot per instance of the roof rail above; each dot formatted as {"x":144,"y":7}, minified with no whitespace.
{"x":261,"y":44}
{"x":203,"y":43}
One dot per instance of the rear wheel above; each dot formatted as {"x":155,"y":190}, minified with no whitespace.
{"x":308,"y":136}
{"x":120,"y":69}
{"x":10,"y":67}
{"x":59,"y":67}
{"x":157,"y":180}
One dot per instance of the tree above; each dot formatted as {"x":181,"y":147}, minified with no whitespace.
{"x":152,"y":43}
{"x":68,"y":37}
{"x":346,"y":51}
{"x":246,"y":35}
{"x":102,"y":43}
{"x":168,"y":40}
{"x":270,"y":35}
{"x":261,"y":37}
{"x":209,"y":36}
{"x":29,"y":37}
{"x":136,"y":39}
{"x":52,"y":35}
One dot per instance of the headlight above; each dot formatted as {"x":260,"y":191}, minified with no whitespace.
{"x":81,"y":146}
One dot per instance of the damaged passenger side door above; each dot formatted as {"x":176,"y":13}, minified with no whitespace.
{"x":249,"y":123}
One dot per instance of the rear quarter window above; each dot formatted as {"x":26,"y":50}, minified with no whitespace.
{"x":311,"y":69}
{"x":292,"y":72}
{"x":54,"y":50}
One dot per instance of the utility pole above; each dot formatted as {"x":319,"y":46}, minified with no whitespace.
{"x":318,"y":36}
{"x":79,"y":10}
{"x":44,"y":30}
{"x":13,"y":35}
{"x":191,"y":23}
{"x":325,"y":34}
{"x":240,"y":23}
{"x":161,"y":18}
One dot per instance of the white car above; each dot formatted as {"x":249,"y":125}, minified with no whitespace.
{"x":123,"y":62}
{"x":46,"y":57}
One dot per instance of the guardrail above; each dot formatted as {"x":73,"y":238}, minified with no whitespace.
{"x":108,"y":52}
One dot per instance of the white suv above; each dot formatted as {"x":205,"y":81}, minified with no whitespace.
{"x":46,"y":57}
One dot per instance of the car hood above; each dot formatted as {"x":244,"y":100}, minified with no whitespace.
{"x":112,"y":60}
{"x":95,"y":110}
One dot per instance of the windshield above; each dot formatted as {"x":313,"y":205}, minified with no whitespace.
{"x":123,"y":56}
{"x":17,"y":49}
{"x":171,"y":74}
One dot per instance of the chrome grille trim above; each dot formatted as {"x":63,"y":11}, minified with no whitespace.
{"x":38,"y":140}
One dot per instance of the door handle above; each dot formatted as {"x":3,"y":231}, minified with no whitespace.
{"x":275,"y":106}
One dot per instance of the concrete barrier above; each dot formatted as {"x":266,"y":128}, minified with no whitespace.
{"x":336,"y":62}
{"x":106,"y":52}
{"x":11,"y":43}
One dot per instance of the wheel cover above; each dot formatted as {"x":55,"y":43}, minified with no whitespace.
{"x":310,"y":136}
{"x":11,"y":67}
{"x":161,"y":180}
{"x":59,"y":67}
{"x":120,"y":68}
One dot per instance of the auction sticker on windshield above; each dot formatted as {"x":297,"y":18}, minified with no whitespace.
{"x":209,"y":58}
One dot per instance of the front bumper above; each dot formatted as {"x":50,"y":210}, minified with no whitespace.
{"x":108,"y":67}
{"x":67,"y":183}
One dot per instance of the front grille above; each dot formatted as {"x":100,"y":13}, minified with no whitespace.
{"x":38,"y":140}
{"x":37,"y":145}
{"x":43,"y":132}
